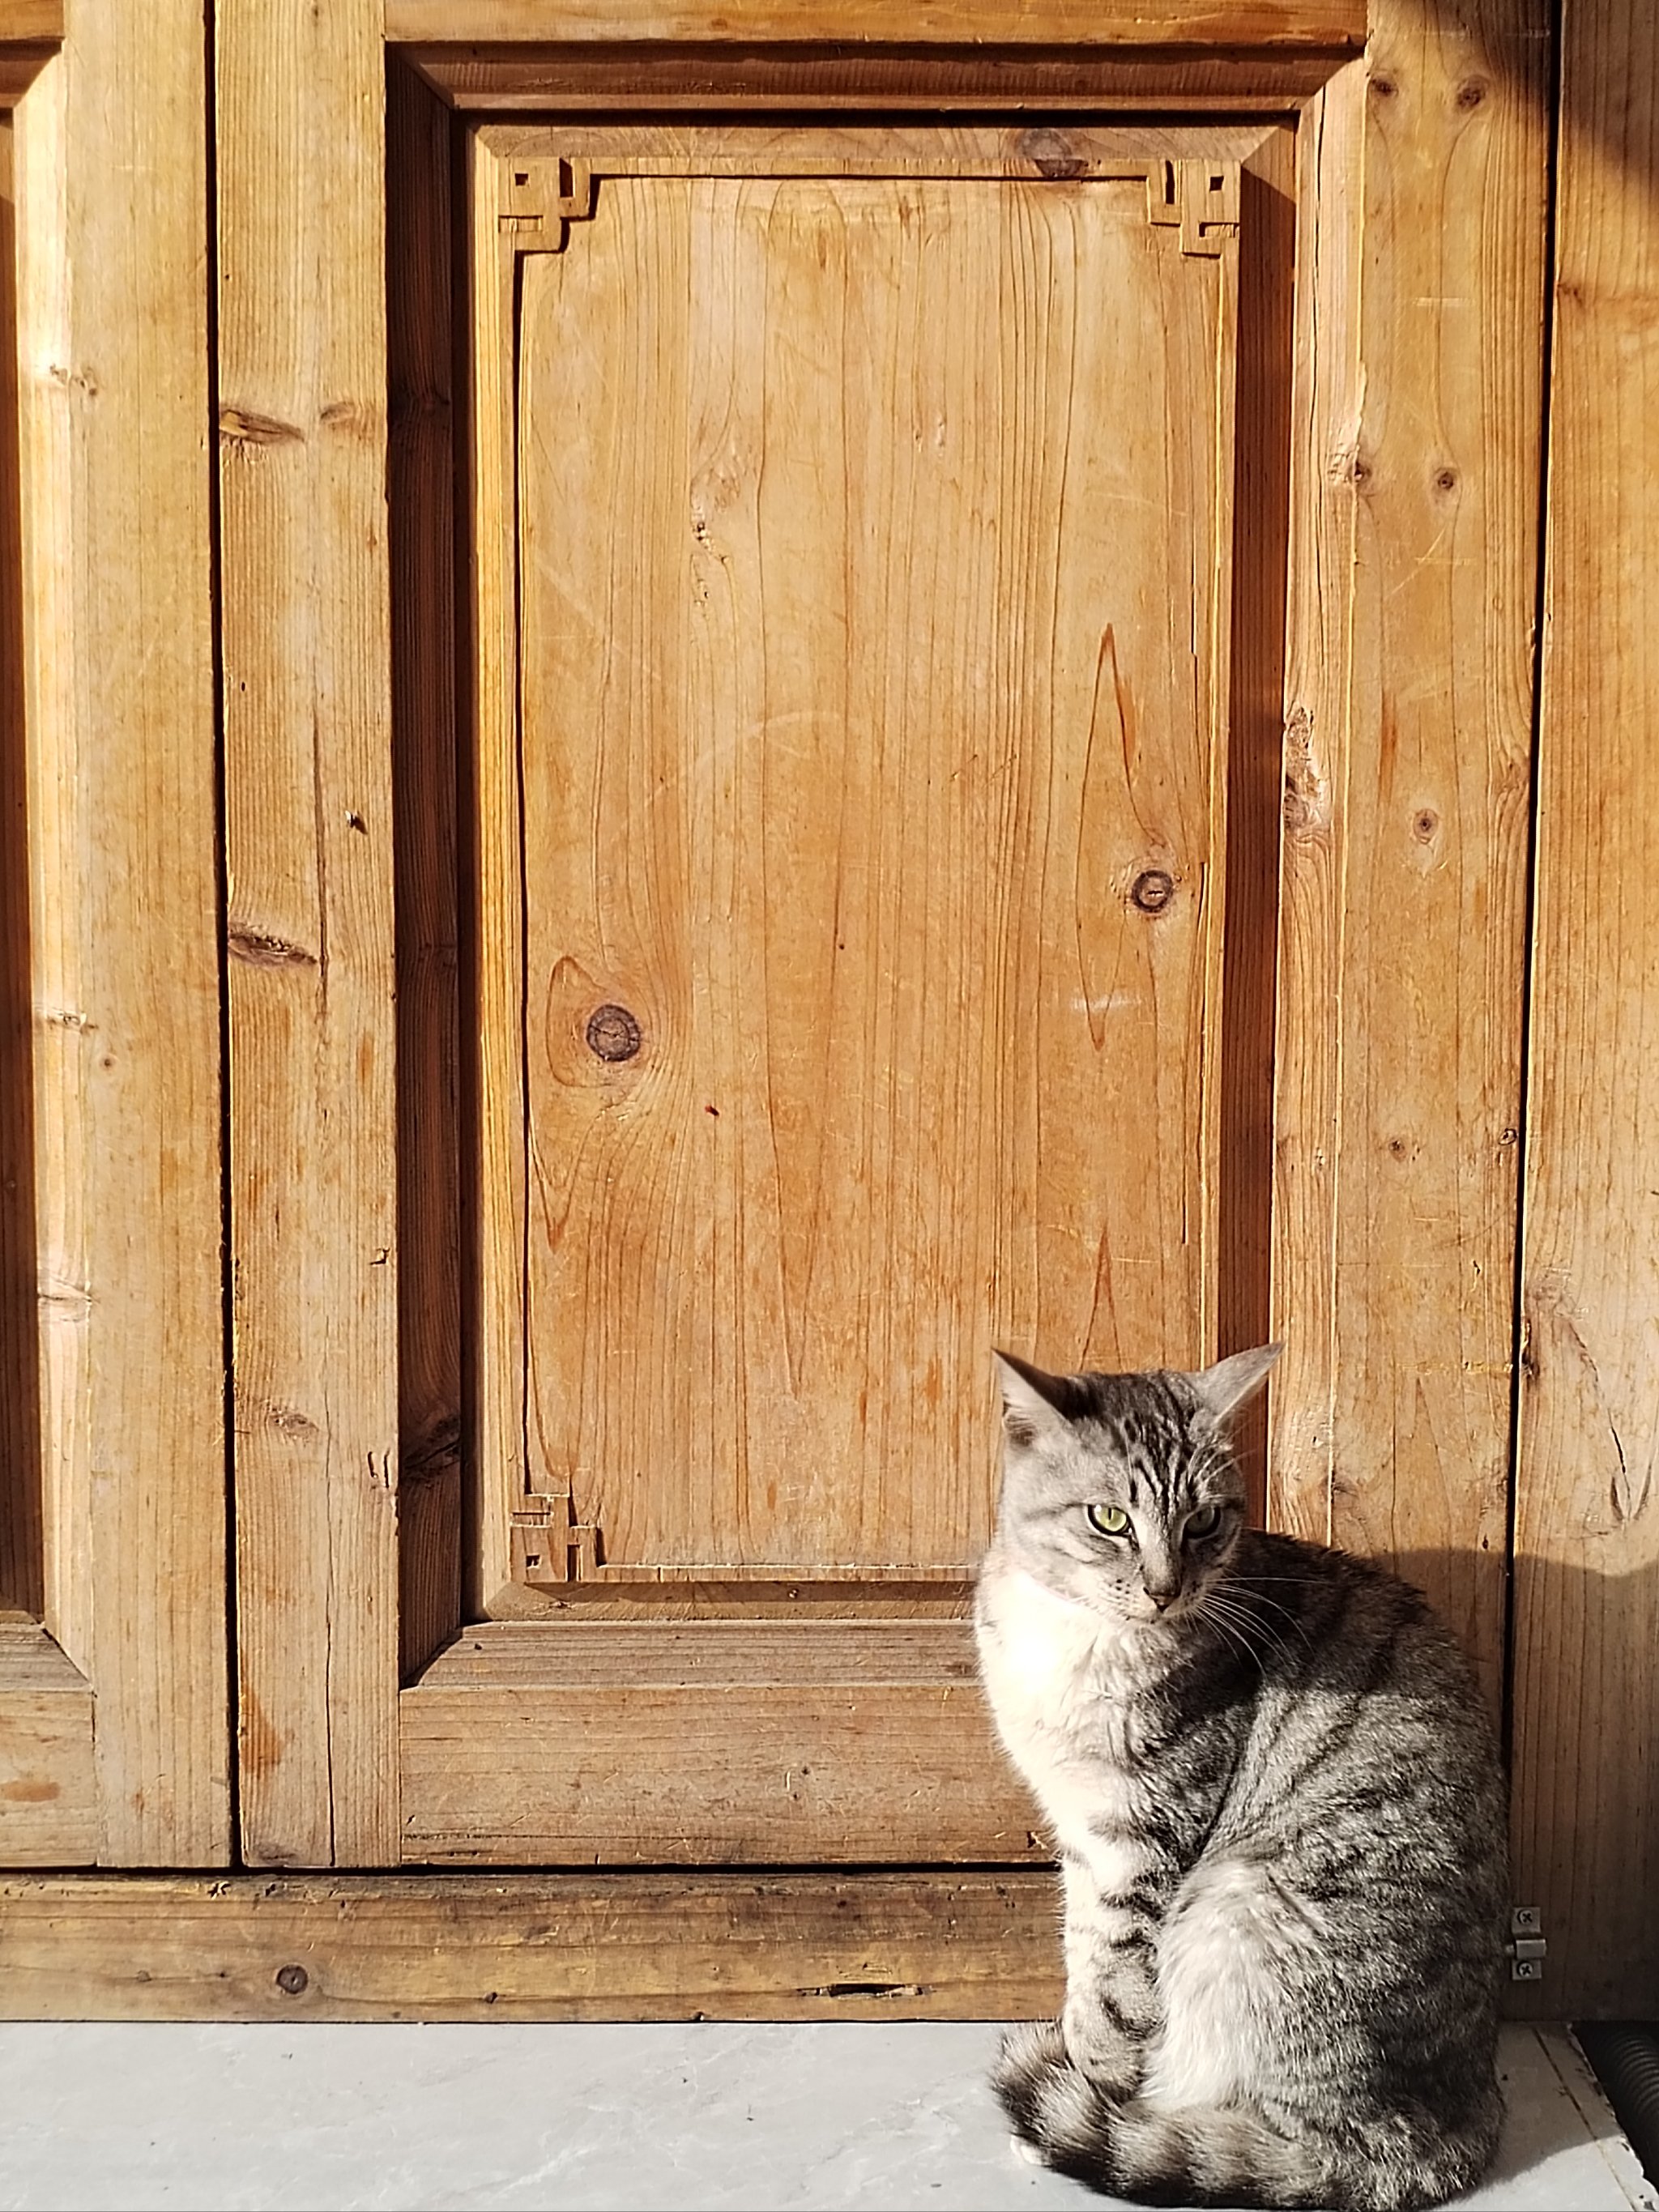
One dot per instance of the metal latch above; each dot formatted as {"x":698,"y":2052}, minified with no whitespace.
{"x":1525,"y":1946}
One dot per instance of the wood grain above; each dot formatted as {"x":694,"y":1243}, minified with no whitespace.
{"x":120,"y":698}
{"x":708,"y":1743}
{"x":1448,"y":466}
{"x":673,"y":1599}
{"x":1069,"y":150}
{"x":22,"y":1571}
{"x":1326,"y":386}
{"x":1254,"y":766}
{"x":972,"y":1946}
{"x":421,"y":339}
{"x":1321,"y":24}
{"x":48,"y":1778}
{"x":303,"y":454}
{"x":60,"y":1044}
{"x":715,"y":1655}
{"x":918,"y":1071}
{"x":1406,"y":867}
{"x":492,"y":936}
{"x":31,"y":21}
{"x":640,"y":77}
{"x":19,"y":65}
{"x":1587,"y":1518}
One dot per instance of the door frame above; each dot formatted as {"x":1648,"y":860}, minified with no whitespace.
{"x":1391,"y":1418}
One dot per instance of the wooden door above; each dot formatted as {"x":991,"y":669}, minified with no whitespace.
{"x":851,"y":913}
{"x":114,"y":1718}
{"x":364,"y":1201}
{"x":1396,"y":726}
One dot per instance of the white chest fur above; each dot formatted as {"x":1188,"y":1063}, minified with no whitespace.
{"x":1057,"y":1676}
{"x":1060,"y":1681}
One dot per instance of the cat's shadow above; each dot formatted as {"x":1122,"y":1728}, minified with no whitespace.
{"x":1579,"y":1699}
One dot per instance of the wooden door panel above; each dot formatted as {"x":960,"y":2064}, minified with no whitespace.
{"x":872,"y":532}
{"x":114,"y":1734}
{"x":708,"y":1743}
{"x":853,"y":518}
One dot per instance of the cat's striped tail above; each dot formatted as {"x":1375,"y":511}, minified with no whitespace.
{"x":1215,"y":2155}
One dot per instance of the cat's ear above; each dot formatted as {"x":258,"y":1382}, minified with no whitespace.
{"x":1231,"y":1382}
{"x":1030,"y":1400}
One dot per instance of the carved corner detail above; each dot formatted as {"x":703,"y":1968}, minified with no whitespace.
{"x":540,"y":200}
{"x":551,"y":1546}
{"x":1199,"y":198}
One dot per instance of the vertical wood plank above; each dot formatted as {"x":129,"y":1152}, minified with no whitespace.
{"x":1447,"y":474}
{"x":22,"y":1560}
{"x":59,"y":1043}
{"x":421,"y":342}
{"x":300,"y":122}
{"x":1405,"y":965}
{"x":493,"y":956}
{"x":1586,"y":1723}
{"x":1325,"y":389}
{"x":1254,"y":753}
{"x":112,"y":176}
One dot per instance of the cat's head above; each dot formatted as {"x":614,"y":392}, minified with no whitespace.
{"x":1121,"y":1492}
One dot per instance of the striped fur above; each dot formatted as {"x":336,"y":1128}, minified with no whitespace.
{"x":1279,"y":1816}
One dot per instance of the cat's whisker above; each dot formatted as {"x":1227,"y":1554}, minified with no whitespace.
{"x":1292,"y":1618}
{"x":1239,"y":1609}
{"x":1244,"y":1620}
{"x":1239,"y":1627}
{"x":1227,"y":1620}
{"x":1222,"y":1629}
{"x":1243,"y":1587}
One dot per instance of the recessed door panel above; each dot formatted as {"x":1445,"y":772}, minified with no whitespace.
{"x":853,"y":527}
{"x":872,"y":542}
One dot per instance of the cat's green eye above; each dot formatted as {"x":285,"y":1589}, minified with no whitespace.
{"x":1110,"y":1519}
{"x":1204,"y":1522}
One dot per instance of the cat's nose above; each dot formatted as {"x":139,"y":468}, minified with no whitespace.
{"x":1163,"y":1598}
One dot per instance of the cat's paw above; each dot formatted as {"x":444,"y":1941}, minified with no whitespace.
{"x":1028,"y":2151}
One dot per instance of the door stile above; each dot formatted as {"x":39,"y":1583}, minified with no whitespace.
{"x":496,"y":899}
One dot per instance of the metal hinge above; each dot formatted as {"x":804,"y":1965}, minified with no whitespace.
{"x":1200,"y":199}
{"x":1525,"y":1946}
{"x":540,"y":200}
{"x":551,"y":1546}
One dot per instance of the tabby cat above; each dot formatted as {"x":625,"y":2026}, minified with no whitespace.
{"x":1279,"y":1816}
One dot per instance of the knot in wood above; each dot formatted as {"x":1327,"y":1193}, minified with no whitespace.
{"x":291,"y":1980}
{"x":1052,"y":155}
{"x":1152,"y":890}
{"x":612,"y":1033}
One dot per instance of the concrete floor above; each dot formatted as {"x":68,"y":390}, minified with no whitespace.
{"x":656,"y":2118}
